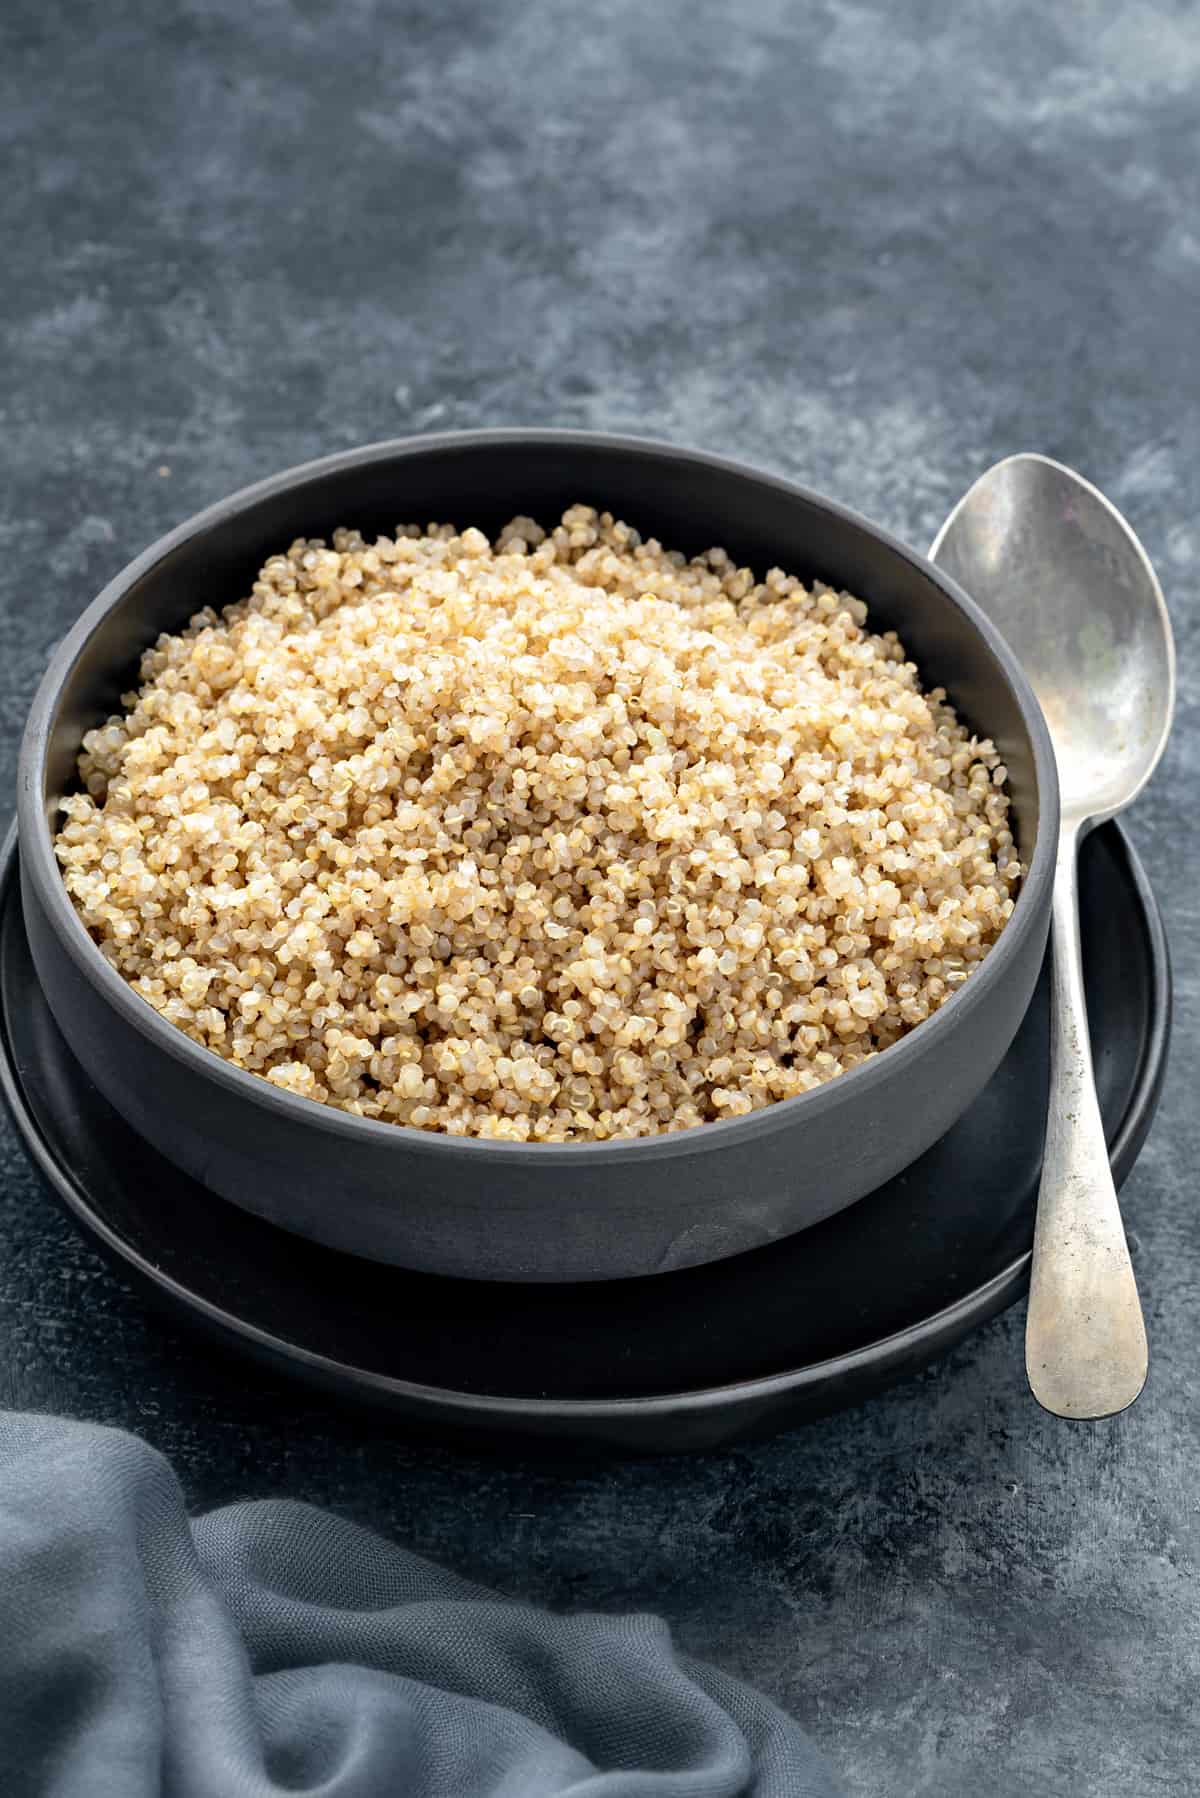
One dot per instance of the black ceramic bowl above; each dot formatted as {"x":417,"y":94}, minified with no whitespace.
{"x":494,"y":1210}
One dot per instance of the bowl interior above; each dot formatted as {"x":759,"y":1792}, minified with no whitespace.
{"x":689,"y":502}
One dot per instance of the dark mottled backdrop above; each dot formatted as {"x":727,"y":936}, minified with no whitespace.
{"x":874,"y":246}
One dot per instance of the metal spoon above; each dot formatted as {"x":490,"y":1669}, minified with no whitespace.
{"x":1068,"y":584}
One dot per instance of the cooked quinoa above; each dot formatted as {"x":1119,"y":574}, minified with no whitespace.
{"x":560,"y":837}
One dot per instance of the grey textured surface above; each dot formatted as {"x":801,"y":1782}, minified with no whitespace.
{"x":873,"y":246}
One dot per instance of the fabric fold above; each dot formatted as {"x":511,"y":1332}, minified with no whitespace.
{"x":273,"y":1648}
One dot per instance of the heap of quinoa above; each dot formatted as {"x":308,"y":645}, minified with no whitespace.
{"x":556,"y":838}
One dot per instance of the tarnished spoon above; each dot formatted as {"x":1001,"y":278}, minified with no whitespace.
{"x":1068,"y":584}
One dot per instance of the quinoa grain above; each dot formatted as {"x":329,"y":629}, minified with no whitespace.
{"x":558,"y":838}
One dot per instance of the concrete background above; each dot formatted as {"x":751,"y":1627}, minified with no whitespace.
{"x":874,"y":246}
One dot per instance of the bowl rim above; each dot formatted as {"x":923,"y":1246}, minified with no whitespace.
{"x":40,"y":865}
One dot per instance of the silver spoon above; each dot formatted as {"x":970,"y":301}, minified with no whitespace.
{"x":1068,"y":584}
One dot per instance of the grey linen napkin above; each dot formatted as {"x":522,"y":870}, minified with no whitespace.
{"x":272,"y":1648}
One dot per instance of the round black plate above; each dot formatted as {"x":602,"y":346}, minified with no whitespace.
{"x":679,"y":1361}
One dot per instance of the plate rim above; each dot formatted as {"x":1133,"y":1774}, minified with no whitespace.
{"x":875,"y":1357}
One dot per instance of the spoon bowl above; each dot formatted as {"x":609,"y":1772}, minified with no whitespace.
{"x":1063,"y":576}
{"x":1057,"y":568}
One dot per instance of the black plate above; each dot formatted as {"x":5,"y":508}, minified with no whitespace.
{"x":683,"y":1360}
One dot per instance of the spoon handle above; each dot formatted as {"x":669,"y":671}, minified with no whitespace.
{"x":1085,"y":1341}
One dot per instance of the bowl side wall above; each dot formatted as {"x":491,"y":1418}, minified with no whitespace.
{"x":581,"y":1211}
{"x":579,"y":1217}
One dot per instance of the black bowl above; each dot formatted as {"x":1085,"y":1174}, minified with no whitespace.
{"x":496,"y":1210}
